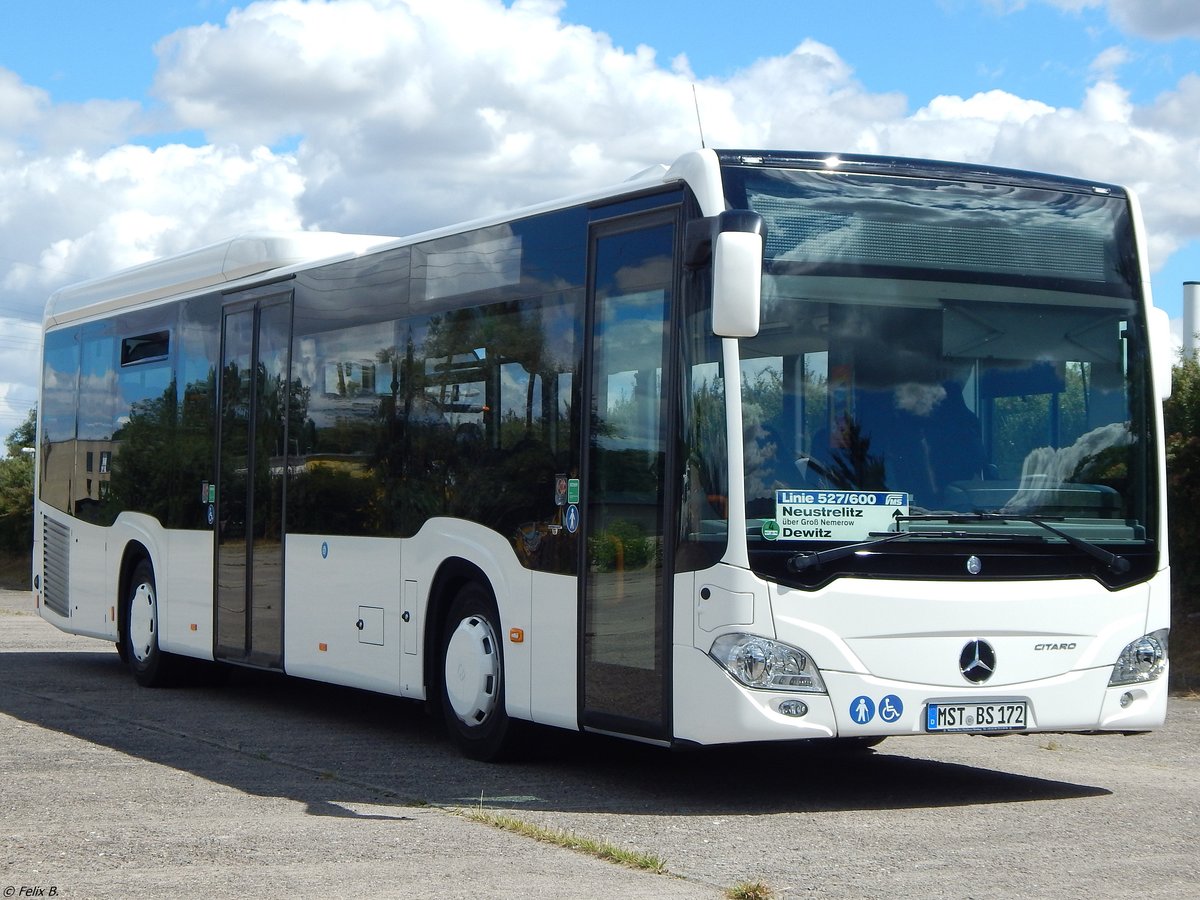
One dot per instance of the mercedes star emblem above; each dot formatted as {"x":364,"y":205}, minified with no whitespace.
{"x":977,"y":662}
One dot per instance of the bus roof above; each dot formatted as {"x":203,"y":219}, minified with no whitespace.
{"x":905,"y":165}
{"x":238,"y":257}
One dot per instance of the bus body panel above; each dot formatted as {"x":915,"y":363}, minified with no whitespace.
{"x":91,"y":591}
{"x":914,"y":632}
{"x":342,"y":613}
{"x":185,"y":588}
{"x":724,"y":599}
{"x":553,"y":639}
{"x":94,"y":576}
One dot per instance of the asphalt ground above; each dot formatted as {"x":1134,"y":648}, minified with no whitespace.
{"x":273,"y":787}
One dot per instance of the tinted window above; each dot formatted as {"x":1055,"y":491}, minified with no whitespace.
{"x":127,"y":417}
{"x":450,"y":393}
{"x":197,"y":348}
{"x":60,"y":378}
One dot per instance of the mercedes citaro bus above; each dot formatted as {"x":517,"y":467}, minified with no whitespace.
{"x":760,"y":446}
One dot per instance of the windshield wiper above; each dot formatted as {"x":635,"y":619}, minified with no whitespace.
{"x":807,"y":559}
{"x":1118,"y":564}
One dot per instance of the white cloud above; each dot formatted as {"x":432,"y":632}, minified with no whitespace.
{"x":994,"y":107}
{"x":808,"y":98}
{"x":18,"y":358}
{"x":1161,"y":19}
{"x":1075,"y":5}
{"x":1158,"y":19}
{"x":389,"y":116}
{"x":66,"y":217}
{"x":389,"y":96}
{"x":1106,"y":64}
{"x":20,"y":104}
{"x":951,"y":127}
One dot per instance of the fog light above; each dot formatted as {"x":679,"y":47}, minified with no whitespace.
{"x":794,"y":708}
{"x":1126,"y":699}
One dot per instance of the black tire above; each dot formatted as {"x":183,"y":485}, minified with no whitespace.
{"x":472,"y":678}
{"x":139,"y":630}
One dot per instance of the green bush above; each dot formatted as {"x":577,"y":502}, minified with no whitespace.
{"x":16,"y":490}
{"x":1181,"y":416}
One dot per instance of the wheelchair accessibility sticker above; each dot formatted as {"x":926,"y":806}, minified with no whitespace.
{"x":891,"y":708}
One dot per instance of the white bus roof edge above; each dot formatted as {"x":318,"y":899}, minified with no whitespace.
{"x":238,"y":257}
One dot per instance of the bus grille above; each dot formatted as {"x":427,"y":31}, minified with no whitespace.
{"x":56,"y":564}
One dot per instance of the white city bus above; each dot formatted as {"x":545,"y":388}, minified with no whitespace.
{"x":763,"y":446}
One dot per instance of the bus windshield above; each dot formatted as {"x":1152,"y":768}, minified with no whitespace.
{"x":938,"y":353}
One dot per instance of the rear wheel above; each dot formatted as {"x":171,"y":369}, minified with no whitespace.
{"x":473,"y":678}
{"x":139,"y":630}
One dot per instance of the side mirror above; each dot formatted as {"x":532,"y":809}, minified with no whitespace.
{"x":737,"y":261}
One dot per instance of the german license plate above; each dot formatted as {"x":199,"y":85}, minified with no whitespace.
{"x":992,"y":716}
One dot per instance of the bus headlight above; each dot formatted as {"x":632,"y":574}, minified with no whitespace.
{"x":1143,"y":660}
{"x":759,"y":662}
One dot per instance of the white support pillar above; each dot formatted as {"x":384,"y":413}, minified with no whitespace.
{"x":1191,"y":308}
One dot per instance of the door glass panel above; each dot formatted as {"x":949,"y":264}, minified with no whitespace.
{"x":253,"y":440}
{"x":266,"y":580}
{"x":232,"y":550}
{"x":623,"y":591}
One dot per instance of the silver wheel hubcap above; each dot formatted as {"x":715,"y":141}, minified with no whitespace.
{"x":473,"y":671}
{"x":143,"y":622}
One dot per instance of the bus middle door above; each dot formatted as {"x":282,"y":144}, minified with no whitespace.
{"x":252,"y":464}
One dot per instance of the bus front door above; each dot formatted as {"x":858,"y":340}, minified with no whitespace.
{"x":625,"y":649}
{"x":252,"y":463}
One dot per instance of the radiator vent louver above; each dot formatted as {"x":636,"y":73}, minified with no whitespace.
{"x":56,"y":566}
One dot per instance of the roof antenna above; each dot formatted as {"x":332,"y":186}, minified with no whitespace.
{"x":699,"y":124}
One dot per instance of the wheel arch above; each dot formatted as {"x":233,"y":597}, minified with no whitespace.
{"x":452,"y":575}
{"x":134,"y":553}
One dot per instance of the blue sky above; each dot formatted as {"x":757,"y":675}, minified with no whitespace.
{"x":133,"y":129}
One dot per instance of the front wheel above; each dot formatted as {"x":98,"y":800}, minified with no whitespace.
{"x":473,"y":678}
{"x":139,"y":630}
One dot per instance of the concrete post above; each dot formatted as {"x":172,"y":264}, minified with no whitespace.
{"x":1191,"y":307}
